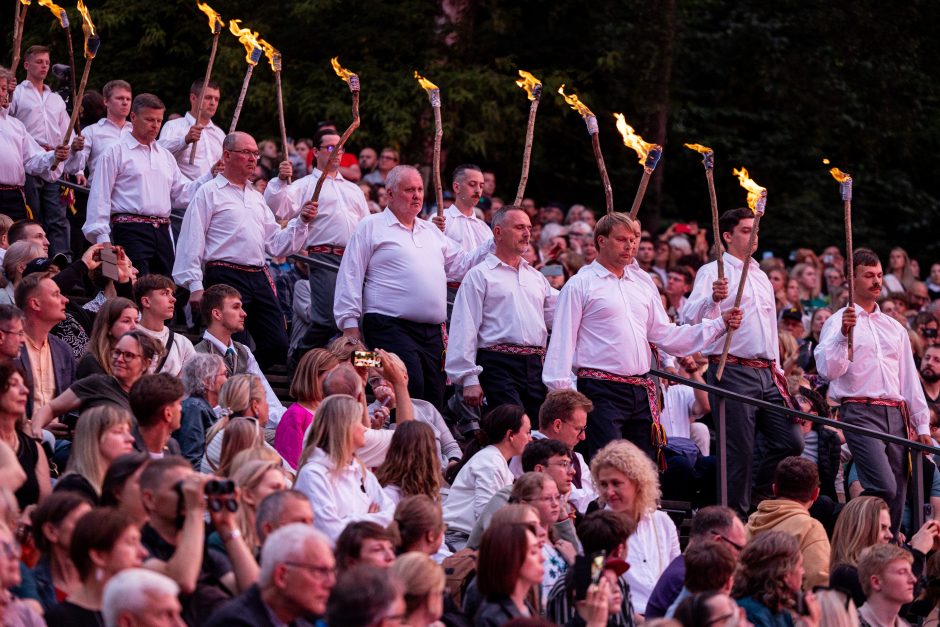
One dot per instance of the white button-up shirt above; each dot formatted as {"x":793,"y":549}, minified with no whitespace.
{"x":208,"y":148}
{"x":20,"y":154}
{"x":340,"y":208}
{"x":468,"y":231}
{"x":476,"y":483}
{"x":395,"y":271}
{"x":42,"y":113}
{"x":228,"y":222}
{"x":756,"y":338}
{"x":98,"y":138}
{"x":605,"y":322}
{"x":497,"y":304}
{"x":883,"y":364}
{"x":135,"y":178}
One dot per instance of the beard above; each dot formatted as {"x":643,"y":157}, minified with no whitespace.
{"x":929,"y":375}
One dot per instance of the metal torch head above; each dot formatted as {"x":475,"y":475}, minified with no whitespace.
{"x":537,"y":91}
{"x":652,"y":158}
{"x":591,"y":122}
{"x":708,"y":160}
{"x":256,"y":55}
{"x":435,"y":96}
{"x":91,"y":46}
{"x":846,"y":188}
{"x":761,"y":204}
{"x":354,"y":82}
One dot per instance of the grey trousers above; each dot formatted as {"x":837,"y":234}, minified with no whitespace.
{"x":781,"y":436}
{"x":882,"y":467}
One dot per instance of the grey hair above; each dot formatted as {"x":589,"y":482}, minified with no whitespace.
{"x":131,"y":590}
{"x":500,"y":216}
{"x":19,"y":252}
{"x":270,"y":508}
{"x":393,"y":179}
{"x":196,"y":373}
{"x":286,"y":544}
{"x":551,"y":231}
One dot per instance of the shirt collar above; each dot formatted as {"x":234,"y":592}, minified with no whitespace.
{"x":131,"y":142}
{"x":454,"y":212}
{"x":493,"y":261}
{"x":602,"y":272}
{"x":189,"y":118}
{"x":319,"y":173}
{"x":391,"y":219}
{"x":735,"y":262}
{"x":217,"y":342}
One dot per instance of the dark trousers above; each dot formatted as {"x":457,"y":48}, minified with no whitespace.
{"x":265,"y":320}
{"x":419,"y":345}
{"x":48,"y":208}
{"x":882,"y":467}
{"x":13,"y":204}
{"x":781,"y":437}
{"x":620,"y":411}
{"x":322,"y":291}
{"x":514,"y":379}
{"x":149,"y":247}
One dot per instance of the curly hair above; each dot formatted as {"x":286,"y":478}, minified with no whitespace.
{"x":762,"y":569}
{"x":627,"y":459}
{"x":413,"y":462}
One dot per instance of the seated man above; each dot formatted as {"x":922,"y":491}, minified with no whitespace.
{"x":155,"y":299}
{"x":156,"y":400}
{"x":135,"y":595}
{"x":709,"y":567}
{"x":365,"y":542}
{"x":280,"y":509}
{"x":888,"y":582}
{"x":366,"y":596}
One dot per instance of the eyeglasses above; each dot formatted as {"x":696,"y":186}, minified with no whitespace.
{"x":20,"y":333}
{"x":320,"y":571}
{"x":389,"y":157}
{"x":254,"y":154}
{"x":550,"y":499}
{"x":12,"y":549}
{"x":564,"y":464}
{"x":332,"y":148}
{"x":731,"y":543}
{"x":126,"y":355}
{"x":580,"y":430}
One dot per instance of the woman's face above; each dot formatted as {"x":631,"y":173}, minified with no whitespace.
{"x":302,"y":150}
{"x":523,"y":436}
{"x":217,"y":380}
{"x":434,"y":604}
{"x":884,"y":527}
{"x":809,"y":279}
{"x":273,"y":481}
{"x":127,"y":321}
{"x":532,"y":518}
{"x":819,"y":320}
{"x":617,"y":490}
{"x":794,"y":577}
{"x":127,"y":362}
{"x":260,"y":408}
{"x":358,"y":435}
{"x":778,"y":280}
{"x":834,"y":278}
{"x":127,"y":552}
{"x":896,"y":260}
{"x":533,"y":568}
{"x":13,"y":401}
{"x":117,"y":440}
{"x":549,"y":503}
{"x":793,"y":291}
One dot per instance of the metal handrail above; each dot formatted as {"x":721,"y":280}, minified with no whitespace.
{"x":724,"y":395}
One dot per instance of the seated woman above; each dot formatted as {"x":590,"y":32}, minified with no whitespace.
{"x":52,"y":524}
{"x":411,"y":465}
{"x":105,"y":542}
{"x":769,"y":578}
{"x":510,"y":564}
{"x":254,"y":480}
{"x":29,"y":454}
{"x":120,"y":488}
{"x":102,"y":434}
{"x":131,"y":358}
{"x":628,"y":483}
{"x":116,"y":317}
{"x":504,"y":433}
{"x":419,"y":525}
{"x":340,"y":488}
{"x":423,"y":581}
{"x":203,"y":377}
{"x":307,"y":388}
{"x":14,"y":264}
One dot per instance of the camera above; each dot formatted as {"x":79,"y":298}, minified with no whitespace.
{"x":366,"y":359}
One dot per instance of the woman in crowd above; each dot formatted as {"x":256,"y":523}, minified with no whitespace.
{"x":203,"y":377}
{"x":30,"y":455}
{"x":53,"y":522}
{"x":102,"y":434}
{"x":116,"y":317}
{"x":254,"y":480}
{"x":340,"y":488}
{"x":105,"y":542}
{"x":806,"y":360}
{"x":423,"y":581}
{"x":503,"y":434}
{"x":307,"y":389}
{"x":510,"y":564}
{"x":807,"y":278}
{"x":628,"y":483}
{"x":412,"y":464}
{"x":131,"y":359}
{"x":242,"y":396}
{"x":899,"y":275}
{"x":768,"y":580}
{"x":121,"y":486}
{"x":14,"y":263}
{"x":240,"y":434}
{"x":419,"y":525}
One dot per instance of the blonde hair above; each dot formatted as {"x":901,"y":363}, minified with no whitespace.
{"x":875,"y":559}
{"x":249,"y":476}
{"x":305,"y":386}
{"x":100,"y":343}
{"x":21,"y":252}
{"x":235,"y":399}
{"x":420,"y":576}
{"x":606,"y":225}
{"x":238,"y":435}
{"x":332,"y":430}
{"x":857,"y":528}
{"x":85,"y":457}
{"x":627,"y":459}
{"x":836,"y":609}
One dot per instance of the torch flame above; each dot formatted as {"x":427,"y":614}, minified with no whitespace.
{"x":26,"y":2}
{"x":632,"y":140}
{"x":425,"y":83}
{"x":216,"y":23}
{"x":248,"y":39}
{"x":699,"y":148}
{"x":754,"y":191}
{"x":530,"y":84}
{"x":839,"y":175}
{"x":57,"y":11}
{"x":91,"y":37}
{"x":274,"y":57}
{"x":342,"y":72}
{"x":575,"y":103}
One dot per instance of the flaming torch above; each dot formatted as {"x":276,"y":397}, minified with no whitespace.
{"x":91,"y":49}
{"x":756,"y":200}
{"x":708,"y":160}
{"x":434,"y":95}
{"x":216,"y":24}
{"x":352,"y":80}
{"x":18,"y":32}
{"x":533,"y":88}
{"x":590,"y":120}
{"x":648,"y":153}
{"x":252,"y":56}
{"x":845,"y":186}
{"x":63,"y":18}
{"x":274,"y":60}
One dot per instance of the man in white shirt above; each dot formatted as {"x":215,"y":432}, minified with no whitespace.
{"x":393,"y":280}
{"x":107,"y":131}
{"x":135,"y":183}
{"x":605,"y":319}
{"x":879,"y":389}
{"x":463,"y":226}
{"x":43,"y":113}
{"x":342,"y":205}
{"x":227,"y":231}
{"x":753,"y":366}
{"x":155,"y":298}
{"x":499,"y":327}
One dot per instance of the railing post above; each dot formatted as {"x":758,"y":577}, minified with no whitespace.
{"x":917,"y":470}
{"x":722,"y":454}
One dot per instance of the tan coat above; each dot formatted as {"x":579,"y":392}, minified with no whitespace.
{"x":794,"y":518}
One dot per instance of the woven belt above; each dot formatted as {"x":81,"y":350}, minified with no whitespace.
{"x":326,"y":250}
{"x":453,"y":285}
{"x":887,"y":402}
{"x":779,"y":380}
{"x":658,"y":433}
{"x":516,"y":349}
{"x":130,"y":218}
{"x":241,"y":268}
{"x":22,"y":191}
{"x":11,"y":188}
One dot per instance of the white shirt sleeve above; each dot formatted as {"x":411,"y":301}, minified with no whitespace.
{"x":347,"y":304}
{"x":97,"y":228}
{"x":466,"y":319}
{"x":556,"y":372}
{"x":832,"y":352}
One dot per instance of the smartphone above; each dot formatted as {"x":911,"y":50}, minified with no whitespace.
{"x":552,"y":270}
{"x":109,"y":263}
{"x":597,"y":566}
{"x":366,"y":359}
{"x":684,"y":228}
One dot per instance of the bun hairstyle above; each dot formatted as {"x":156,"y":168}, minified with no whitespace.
{"x":494,"y":428}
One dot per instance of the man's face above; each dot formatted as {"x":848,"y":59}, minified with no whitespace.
{"x":50,"y":301}
{"x":930,"y":365}
{"x":793,"y":327}
{"x":241,"y":161}
{"x":918,"y":296}
{"x":896,"y":582}
{"x":163,"y":503}
{"x":12,"y":337}
{"x":176,"y":414}
{"x":367,"y":159}
{"x":468,"y":188}
{"x":325,"y":150}
{"x":163,"y":610}
{"x":528,"y":205}
{"x":4,"y":93}
{"x":37,"y":66}
{"x":209,"y":104}
{"x":307,"y":581}
{"x":868,"y":281}
{"x":560,"y":469}
{"x":834,"y":278}
{"x":737,"y":240}
{"x":160,"y":303}
{"x":408,"y":197}
{"x":645,"y":252}
{"x":676,"y":285}
{"x":489,"y":183}
{"x":513,"y":235}
{"x":616,"y":250}
{"x":387,"y":160}
{"x":145,"y":124}
{"x":571,"y":430}
{"x":119,"y":103}
{"x":37,"y":235}
{"x":233,"y":316}
{"x":375,"y":552}
{"x":295,"y":511}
